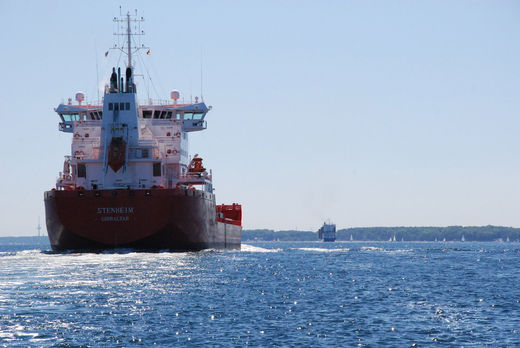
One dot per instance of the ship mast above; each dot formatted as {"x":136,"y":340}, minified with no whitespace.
{"x":129,"y":35}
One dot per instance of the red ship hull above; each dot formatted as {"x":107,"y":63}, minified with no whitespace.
{"x":144,"y":219}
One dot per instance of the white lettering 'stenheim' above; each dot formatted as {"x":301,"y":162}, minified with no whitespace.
{"x":116,"y":210}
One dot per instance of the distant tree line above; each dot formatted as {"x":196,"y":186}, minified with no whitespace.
{"x":450,"y":233}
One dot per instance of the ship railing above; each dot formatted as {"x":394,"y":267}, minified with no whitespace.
{"x":147,"y":141}
{"x":169,"y":102}
{"x":92,"y":139}
{"x":195,"y":179}
{"x":89,"y":123}
{"x":64,"y":180}
{"x":164,"y":122}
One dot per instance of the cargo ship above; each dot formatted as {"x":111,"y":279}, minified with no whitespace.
{"x":129,"y":181}
{"x":327,"y":232}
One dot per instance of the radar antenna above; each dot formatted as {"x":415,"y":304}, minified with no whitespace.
{"x":125,"y":35}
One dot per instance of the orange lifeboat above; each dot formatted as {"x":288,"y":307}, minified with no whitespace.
{"x":196,"y":165}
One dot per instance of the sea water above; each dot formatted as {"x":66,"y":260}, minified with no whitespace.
{"x":268,"y":294}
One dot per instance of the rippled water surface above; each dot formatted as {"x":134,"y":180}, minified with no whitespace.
{"x":288,"y":294}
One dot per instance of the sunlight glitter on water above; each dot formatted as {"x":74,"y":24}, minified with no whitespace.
{"x":268,"y":293}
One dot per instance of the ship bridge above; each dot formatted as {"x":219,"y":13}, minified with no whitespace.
{"x":192,"y":116}
{"x":69,"y":114}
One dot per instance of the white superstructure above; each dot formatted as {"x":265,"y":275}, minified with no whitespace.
{"x":122,"y":144}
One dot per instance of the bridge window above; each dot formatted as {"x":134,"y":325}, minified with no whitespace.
{"x":156,"y":114}
{"x":70,"y":117}
{"x":95,"y":115}
{"x":188,"y":115}
{"x":147,"y":114}
{"x":198,"y":116}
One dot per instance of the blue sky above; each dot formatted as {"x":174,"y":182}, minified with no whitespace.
{"x":370,"y":113}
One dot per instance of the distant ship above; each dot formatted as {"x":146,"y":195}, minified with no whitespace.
{"x":129,"y":181}
{"x":327,"y":232}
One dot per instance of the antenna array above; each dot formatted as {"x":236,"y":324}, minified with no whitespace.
{"x":129,"y":34}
